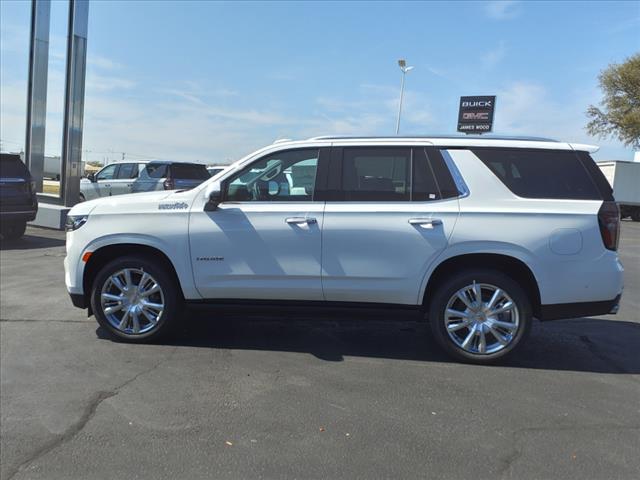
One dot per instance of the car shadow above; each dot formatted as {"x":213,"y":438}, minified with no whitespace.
{"x":581,"y":345}
{"x":31,"y":242}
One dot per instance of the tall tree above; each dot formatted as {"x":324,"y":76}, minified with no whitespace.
{"x":620,"y":114}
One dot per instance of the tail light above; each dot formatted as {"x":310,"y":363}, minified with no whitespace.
{"x":609,"y":221}
{"x":169,"y":184}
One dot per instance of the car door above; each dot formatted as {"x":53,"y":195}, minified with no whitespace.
{"x":124,"y":179}
{"x":264,"y":240}
{"x":104,"y":179}
{"x":393,"y":213}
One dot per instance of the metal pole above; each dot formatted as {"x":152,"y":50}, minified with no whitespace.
{"x":74,"y":101}
{"x":37,"y":90}
{"x":400,"y":106}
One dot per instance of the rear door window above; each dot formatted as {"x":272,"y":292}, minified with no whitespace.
{"x":157,"y":170}
{"x":541,"y":173}
{"x":127,"y":171}
{"x":376,"y":174}
{"x":432,"y":179}
{"x":185,"y":171}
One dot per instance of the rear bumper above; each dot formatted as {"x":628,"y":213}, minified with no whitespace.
{"x":17,"y":216}
{"x":576,"y":310}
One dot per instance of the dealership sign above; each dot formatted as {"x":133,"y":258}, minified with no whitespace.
{"x":476,"y":114}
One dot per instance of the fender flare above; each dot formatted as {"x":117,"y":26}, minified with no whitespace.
{"x":504,"y":249}
{"x":183,"y":269}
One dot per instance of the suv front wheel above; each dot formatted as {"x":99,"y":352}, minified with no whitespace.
{"x":480,"y":316}
{"x":135,"y":300}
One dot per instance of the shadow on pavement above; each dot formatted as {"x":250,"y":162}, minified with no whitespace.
{"x":582,"y":345}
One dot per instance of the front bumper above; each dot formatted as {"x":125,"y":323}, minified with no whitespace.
{"x":576,"y":310}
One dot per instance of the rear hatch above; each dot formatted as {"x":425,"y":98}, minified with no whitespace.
{"x":15,"y":184}
{"x":187,"y":175}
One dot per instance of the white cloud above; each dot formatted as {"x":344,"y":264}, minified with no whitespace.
{"x":374,"y":111}
{"x":13,"y":101}
{"x":491,"y":58}
{"x":14,"y":39}
{"x":502,"y":9}
{"x":526,"y":108}
{"x":103,"y":63}
{"x":195,"y":93}
{"x":104,"y":83}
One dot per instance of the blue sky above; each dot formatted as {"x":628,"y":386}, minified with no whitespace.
{"x":211,"y":82}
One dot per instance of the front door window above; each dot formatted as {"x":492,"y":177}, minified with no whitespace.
{"x":287,"y":176}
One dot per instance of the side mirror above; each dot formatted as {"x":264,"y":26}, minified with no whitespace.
{"x":213,"y":196}
{"x":91,"y":177}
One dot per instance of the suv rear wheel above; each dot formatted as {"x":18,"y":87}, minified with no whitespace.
{"x":135,"y":300}
{"x":480,"y":316}
{"x":12,"y":230}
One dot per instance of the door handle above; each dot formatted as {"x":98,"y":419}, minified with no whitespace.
{"x":300,"y":220}
{"x":432,"y":222}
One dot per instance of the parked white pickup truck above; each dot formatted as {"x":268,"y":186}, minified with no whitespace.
{"x":624,"y":178}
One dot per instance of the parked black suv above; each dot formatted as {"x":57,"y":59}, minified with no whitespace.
{"x":18,"y":202}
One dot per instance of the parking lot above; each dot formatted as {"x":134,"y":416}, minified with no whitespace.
{"x":250,"y":394}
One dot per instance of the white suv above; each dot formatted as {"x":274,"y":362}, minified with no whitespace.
{"x":481,"y":233}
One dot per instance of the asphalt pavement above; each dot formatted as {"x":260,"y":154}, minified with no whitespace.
{"x":334,"y":394}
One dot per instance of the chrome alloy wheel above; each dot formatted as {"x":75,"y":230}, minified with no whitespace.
{"x":132,"y":301}
{"x":481,"y":319}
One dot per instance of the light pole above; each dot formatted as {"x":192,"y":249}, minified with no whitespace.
{"x":403,"y":66}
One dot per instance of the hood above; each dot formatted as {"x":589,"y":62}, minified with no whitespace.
{"x":126,"y":203}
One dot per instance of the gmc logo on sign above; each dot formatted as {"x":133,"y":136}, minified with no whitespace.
{"x":475,"y":116}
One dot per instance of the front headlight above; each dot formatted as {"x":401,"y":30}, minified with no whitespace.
{"x":74,"y":222}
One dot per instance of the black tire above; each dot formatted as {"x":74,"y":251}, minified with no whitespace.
{"x":13,"y":230}
{"x":172,"y":298}
{"x":81,"y":198}
{"x":635,"y":215}
{"x":445,"y":291}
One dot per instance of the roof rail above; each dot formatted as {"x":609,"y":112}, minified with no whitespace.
{"x":457,"y":137}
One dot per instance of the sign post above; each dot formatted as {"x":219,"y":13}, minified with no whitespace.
{"x":476,"y":114}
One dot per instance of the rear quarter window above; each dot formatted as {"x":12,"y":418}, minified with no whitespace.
{"x":542,"y":173}
{"x":189,"y":171}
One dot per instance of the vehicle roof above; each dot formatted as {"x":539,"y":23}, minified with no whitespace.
{"x":118,"y":162}
{"x":449,"y":141}
{"x":171,"y":162}
{"x":430,"y":137}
